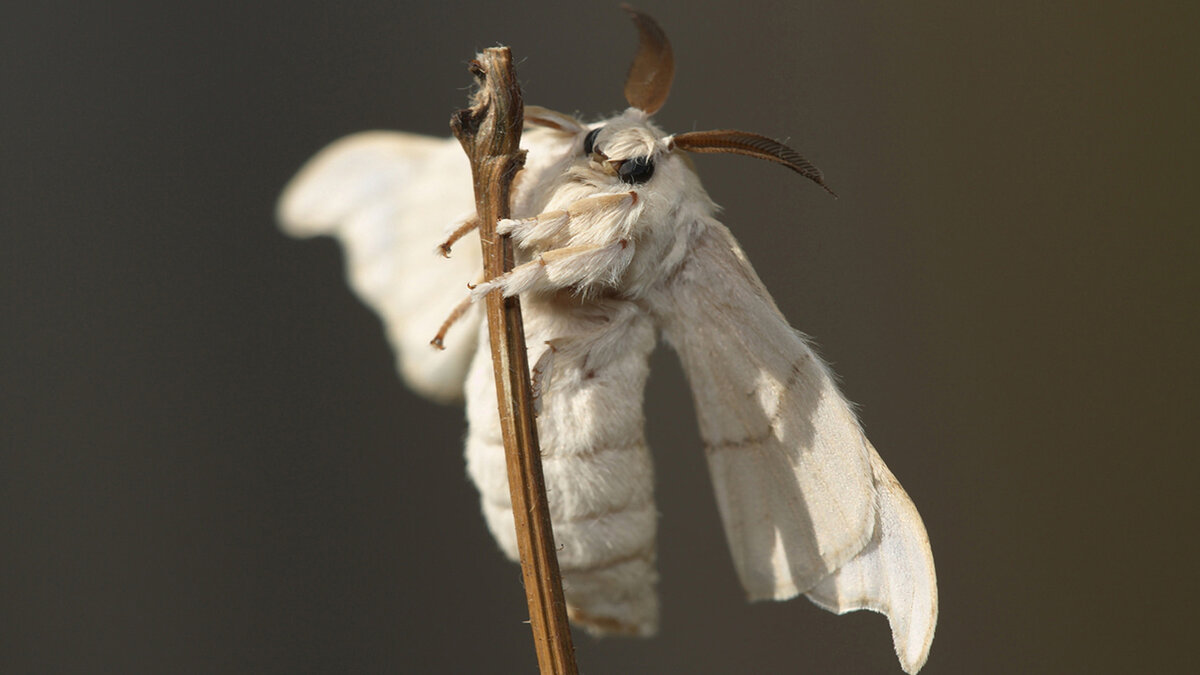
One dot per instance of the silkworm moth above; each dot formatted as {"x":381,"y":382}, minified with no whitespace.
{"x":617,"y":243}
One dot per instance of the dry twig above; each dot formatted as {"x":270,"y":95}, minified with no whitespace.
{"x":490,"y":131}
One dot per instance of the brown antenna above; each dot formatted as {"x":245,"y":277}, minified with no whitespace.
{"x":649,"y":79}
{"x":752,"y":145}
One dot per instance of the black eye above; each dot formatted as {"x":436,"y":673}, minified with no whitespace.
{"x":589,"y":143}
{"x":636,"y":171}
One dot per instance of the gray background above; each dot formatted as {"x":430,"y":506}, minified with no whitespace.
{"x":209,"y":467}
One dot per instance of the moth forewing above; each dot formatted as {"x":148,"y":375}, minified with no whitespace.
{"x":787,"y":457}
{"x":808,"y":505}
{"x":893,"y":574}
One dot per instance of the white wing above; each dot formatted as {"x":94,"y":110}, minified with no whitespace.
{"x":808,"y":506}
{"x":893,"y":574}
{"x":390,"y":198}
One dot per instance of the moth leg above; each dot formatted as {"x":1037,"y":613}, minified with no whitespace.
{"x":541,"y":373}
{"x":531,"y":231}
{"x":608,"y":342}
{"x":605,"y":215}
{"x":460,"y":232}
{"x":568,"y":267}
{"x":455,"y":314}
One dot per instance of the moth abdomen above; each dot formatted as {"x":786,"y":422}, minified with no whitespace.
{"x":597,"y":468}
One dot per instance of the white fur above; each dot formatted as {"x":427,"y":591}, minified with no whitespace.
{"x":807,"y":504}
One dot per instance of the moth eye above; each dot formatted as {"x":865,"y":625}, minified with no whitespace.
{"x":589,"y":143}
{"x":636,"y":171}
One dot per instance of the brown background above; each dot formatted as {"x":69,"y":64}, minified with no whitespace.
{"x":209,"y":467}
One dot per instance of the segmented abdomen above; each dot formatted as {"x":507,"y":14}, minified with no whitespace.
{"x":598,"y":473}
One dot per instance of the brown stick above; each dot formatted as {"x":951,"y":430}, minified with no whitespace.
{"x":490,"y":131}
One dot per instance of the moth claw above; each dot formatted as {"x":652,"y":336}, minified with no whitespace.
{"x":438,"y":340}
{"x":458,"y":233}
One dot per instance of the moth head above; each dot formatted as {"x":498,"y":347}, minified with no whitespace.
{"x":629,"y":146}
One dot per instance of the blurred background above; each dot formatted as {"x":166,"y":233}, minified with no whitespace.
{"x":209,"y":466}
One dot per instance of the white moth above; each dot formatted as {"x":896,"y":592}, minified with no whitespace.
{"x":617,"y":242}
